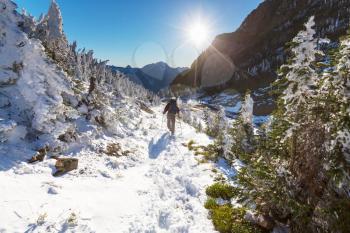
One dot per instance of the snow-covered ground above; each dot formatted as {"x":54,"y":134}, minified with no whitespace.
{"x":159,"y":187}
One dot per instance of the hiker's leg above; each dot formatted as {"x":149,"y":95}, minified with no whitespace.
{"x":169,"y":122}
{"x":174,"y":120}
{"x":172,"y":123}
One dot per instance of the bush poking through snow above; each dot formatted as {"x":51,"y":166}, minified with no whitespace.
{"x":41,"y":219}
{"x":221,"y":190}
{"x":225,"y":217}
{"x":72,"y":220}
{"x":69,"y":136}
{"x":114,"y":149}
{"x":209,"y":153}
{"x":17,"y":67}
{"x":144,"y":107}
{"x":190,"y":145}
{"x":211,"y":203}
{"x":222,"y":218}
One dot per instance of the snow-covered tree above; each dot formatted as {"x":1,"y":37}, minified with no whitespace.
{"x":334,"y":110}
{"x":50,"y":31}
{"x":242,"y":132}
{"x":247,"y":109}
{"x":300,"y":75}
{"x":299,"y":172}
{"x":223,"y":139}
{"x":28,"y":25}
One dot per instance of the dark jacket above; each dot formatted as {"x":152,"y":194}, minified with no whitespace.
{"x":171,"y":108}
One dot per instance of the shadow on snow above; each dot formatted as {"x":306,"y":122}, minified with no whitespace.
{"x":155,"y":148}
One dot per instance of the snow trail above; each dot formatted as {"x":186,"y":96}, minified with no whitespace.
{"x":159,"y":188}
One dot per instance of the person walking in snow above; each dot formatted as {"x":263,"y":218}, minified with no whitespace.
{"x":172,"y":109}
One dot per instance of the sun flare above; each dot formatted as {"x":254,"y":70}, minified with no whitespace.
{"x":198,"y":34}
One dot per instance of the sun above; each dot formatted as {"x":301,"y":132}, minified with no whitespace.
{"x":198,"y":34}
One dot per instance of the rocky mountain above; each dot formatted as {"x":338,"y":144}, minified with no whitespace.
{"x":249,"y":57}
{"x":154,"y":77}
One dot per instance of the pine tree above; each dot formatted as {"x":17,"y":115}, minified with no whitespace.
{"x":242,"y":132}
{"x":334,"y":108}
{"x":300,"y":76}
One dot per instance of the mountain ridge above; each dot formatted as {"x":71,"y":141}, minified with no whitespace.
{"x":154,"y":76}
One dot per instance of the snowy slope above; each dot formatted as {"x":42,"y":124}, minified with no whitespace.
{"x":158,"y":188}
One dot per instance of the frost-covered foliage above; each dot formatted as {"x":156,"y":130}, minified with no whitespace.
{"x":191,"y":115}
{"x":334,"y":108}
{"x":219,"y":127}
{"x":301,"y":76}
{"x":247,"y":109}
{"x":242,"y":132}
{"x":298,"y":173}
{"x":49,"y":88}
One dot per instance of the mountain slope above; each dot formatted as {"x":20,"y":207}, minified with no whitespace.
{"x":249,"y":57}
{"x":154,"y":76}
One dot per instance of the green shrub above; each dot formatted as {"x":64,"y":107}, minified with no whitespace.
{"x":240,"y":225}
{"x":219,"y":178}
{"x":222,"y":218}
{"x":190,"y":145}
{"x":211,"y":204}
{"x":211,"y":152}
{"x":244,"y":228}
{"x":227,"y":219}
{"x":221,"y":190}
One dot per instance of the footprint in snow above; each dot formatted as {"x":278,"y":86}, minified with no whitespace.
{"x":52,"y":188}
{"x":166,"y":171}
{"x":164,"y":219}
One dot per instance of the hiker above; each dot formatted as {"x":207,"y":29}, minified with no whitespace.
{"x":172,"y":109}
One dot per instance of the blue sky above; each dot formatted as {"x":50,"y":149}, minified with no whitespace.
{"x":139,"y":32}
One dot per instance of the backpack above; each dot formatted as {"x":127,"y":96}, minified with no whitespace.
{"x":173,"y":109}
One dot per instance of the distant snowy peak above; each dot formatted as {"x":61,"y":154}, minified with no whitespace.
{"x":155,"y":70}
{"x":161,"y":70}
{"x":154,"y":77}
